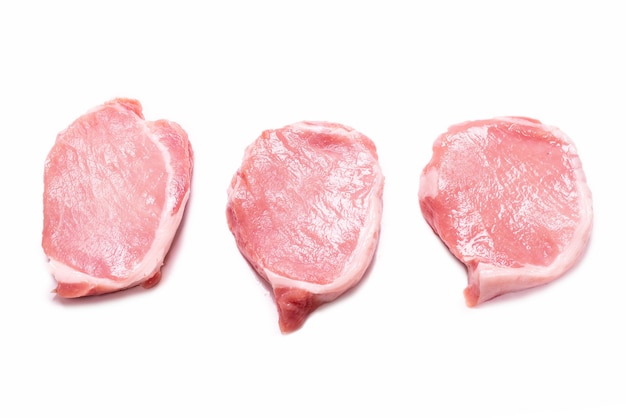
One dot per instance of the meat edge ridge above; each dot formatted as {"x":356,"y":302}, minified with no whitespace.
{"x":171,"y":218}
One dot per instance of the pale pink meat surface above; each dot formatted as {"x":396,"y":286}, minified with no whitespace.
{"x":115,"y":189}
{"x":305,"y":209}
{"x":509,"y":198}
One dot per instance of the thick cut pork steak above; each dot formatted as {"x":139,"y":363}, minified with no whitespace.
{"x":115,"y":189}
{"x":305,"y":209}
{"x":508,"y":197}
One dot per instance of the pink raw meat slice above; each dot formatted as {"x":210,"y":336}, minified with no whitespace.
{"x":115,"y":189}
{"x":305,"y":209}
{"x":508,"y":197}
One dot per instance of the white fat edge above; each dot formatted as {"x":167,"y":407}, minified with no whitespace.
{"x":66,"y":274}
{"x":429,"y":183}
{"x":359,"y":261}
{"x":168,"y":225}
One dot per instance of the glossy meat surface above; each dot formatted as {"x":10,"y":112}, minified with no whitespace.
{"x":115,"y":188}
{"x":508,"y":196}
{"x":305,"y":209}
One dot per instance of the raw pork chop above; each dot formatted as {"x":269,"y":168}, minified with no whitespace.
{"x":509,"y":198}
{"x":115,"y":189}
{"x":305,"y":208}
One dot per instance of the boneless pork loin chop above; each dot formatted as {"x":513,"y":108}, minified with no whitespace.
{"x":115,"y":190}
{"x":508,"y":197}
{"x":305,"y":209}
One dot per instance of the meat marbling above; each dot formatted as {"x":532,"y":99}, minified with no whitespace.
{"x":509,"y":198}
{"x":115,"y":189}
{"x":305,"y":209}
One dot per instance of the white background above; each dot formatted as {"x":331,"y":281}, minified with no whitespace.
{"x":205,"y":341}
